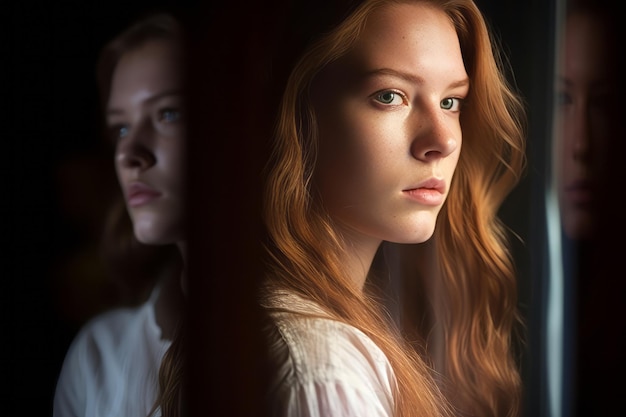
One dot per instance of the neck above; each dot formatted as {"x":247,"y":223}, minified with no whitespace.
{"x":169,"y":304}
{"x":359,"y":254}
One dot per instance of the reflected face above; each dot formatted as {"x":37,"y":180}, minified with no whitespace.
{"x":146,"y":118}
{"x":389,"y":129}
{"x":586,"y":95}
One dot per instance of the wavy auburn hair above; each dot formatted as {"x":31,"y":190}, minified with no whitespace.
{"x":475,"y":304}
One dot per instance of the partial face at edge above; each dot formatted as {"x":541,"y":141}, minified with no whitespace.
{"x":389,"y":128}
{"x":587,"y":98}
{"x":146,"y":118}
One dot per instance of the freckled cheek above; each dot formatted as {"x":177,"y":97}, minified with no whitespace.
{"x":120,"y":173}
{"x":565,"y":169}
{"x":567,"y":124}
{"x":361,"y":148}
{"x":458,"y":150}
{"x":601,"y":127}
{"x":171,"y":162}
{"x":342,"y":165}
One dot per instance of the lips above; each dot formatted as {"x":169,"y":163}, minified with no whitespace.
{"x":580,"y":192}
{"x":430,"y":192}
{"x":138,"y":194}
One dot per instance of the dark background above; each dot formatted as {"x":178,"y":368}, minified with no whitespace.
{"x":60,"y":180}
{"x":59,"y":185}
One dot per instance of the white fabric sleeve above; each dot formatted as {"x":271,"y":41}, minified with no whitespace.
{"x":70,"y":397}
{"x":324,"y":368}
{"x":332,"y":399}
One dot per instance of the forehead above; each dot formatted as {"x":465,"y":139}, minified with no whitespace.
{"x":149,"y":69}
{"x":588,"y":51}
{"x":411,"y":37}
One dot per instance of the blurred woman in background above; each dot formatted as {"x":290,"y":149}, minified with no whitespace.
{"x":112,"y":366}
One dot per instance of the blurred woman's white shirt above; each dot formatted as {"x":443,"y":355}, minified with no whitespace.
{"x":112,"y":366}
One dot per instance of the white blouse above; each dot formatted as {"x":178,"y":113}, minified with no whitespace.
{"x":111,"y":368}
{"x":325,"y":367}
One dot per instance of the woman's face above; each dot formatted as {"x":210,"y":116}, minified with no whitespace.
{"x":146,"y":118}
{"x":587,"y":96}
{"x":389,"y":129}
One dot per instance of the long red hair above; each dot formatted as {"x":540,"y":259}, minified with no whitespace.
{"x":474,"y":293}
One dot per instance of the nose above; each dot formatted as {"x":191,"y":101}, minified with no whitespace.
{"x":135,"y":149}
{"x":581,"y":134}
{"x":435,"y":135}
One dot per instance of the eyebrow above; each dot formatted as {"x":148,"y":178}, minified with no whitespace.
{"x":594,"y":83}
{"x":114,"y":111}
{"x":411,"y":77}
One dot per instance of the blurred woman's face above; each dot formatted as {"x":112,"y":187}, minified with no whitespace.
{"x":587,"y":99}
{"x":389,"y":128}
{"x":145,"y":116}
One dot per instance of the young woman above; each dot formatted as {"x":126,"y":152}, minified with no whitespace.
{"x":396,"y":126}
{"x":112,"y":366}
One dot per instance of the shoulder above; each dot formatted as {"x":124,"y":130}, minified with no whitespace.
{"x":112,"y":329}
{"x":328,"y":344}
{"x":325,"y":349}
{"x":313,"y":337}
{"x":324,"y":364}
{"x":105,"y":358}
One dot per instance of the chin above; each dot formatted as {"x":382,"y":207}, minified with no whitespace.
{"x":418,"y":236}
{"x":423,"y":238}
{"x":148,"y":239}
{"x":577,"y":224}
{"x":579,"y":230}
{"x":422,"y":230}
{"x":152,"y":235}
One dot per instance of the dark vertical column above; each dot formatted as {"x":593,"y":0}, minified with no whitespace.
{"x":240,"y":59}
{"x":232,"y":109}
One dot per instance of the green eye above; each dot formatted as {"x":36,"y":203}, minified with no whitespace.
{"x":451,"y":103}
{"x":389,"y":97}
{"x":386,"y":98}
